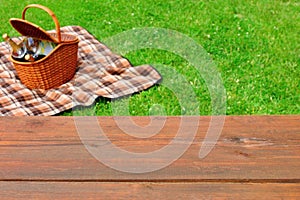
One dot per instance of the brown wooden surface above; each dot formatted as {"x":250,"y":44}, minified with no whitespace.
{"x":256,"y":157}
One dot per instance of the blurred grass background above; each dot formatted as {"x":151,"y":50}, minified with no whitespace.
{"x":254,"y":43}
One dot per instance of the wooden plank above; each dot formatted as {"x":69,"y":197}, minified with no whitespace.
{"x":250,"y":148}
{"x":146,"y":190}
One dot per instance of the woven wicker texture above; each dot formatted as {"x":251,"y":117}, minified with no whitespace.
{"x":56,"y":68}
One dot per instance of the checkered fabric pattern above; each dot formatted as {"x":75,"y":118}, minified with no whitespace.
{"x":100,"y":73}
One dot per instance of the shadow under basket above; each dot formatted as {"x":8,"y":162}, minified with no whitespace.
{"x":56,"y":68}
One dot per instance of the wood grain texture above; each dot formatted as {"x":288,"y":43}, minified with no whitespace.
{"x":256,"y":155}
{"x":146,"y":190}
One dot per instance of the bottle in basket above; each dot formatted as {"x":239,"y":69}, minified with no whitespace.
{"x":18,"y":50}
{"x":29,"y":58}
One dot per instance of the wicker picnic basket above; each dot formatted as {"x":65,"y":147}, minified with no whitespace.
{"x":56,"y":68}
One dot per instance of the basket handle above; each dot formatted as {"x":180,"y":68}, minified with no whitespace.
{"x":50,"y":13}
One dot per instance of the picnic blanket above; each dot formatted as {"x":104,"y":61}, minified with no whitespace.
{"x":100,"y":72}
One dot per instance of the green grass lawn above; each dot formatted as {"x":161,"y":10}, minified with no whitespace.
{"x":254,"y":44}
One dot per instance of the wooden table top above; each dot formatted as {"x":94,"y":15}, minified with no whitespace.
{"x":254,"y":157}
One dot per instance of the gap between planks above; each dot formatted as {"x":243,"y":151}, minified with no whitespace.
{"x":159,"y":180}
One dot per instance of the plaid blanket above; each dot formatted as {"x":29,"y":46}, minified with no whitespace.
{"x":100,"y":73}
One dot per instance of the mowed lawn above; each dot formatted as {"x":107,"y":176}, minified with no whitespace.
{"x":254,"y":44}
